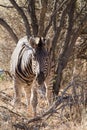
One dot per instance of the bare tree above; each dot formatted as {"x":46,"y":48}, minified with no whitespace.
{"x":62,"y":22}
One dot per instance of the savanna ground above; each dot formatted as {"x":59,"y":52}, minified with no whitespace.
{"x":69,"y":111}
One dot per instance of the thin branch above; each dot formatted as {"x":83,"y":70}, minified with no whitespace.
{"x":9,"y":29}
{"x":79,"y":14}
{"x":70,"y":25}
{"x":58,"y":31}
{"x":78,"y":32}
{"x":4,"y":6}
{"x":34,"y":21}
{"x":53,"y":15}
{"x":17,"y":114}
{"x":42,"y":16}
{"x":9,"y":7}
{"x":21,"y":126}
{"x":21,"y":12}
{"x":82,"y":49}
{"x":50,"y":110}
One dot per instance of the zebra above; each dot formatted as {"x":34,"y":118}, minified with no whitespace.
{"x":30,"y":68}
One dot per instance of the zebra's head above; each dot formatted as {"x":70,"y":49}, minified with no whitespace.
{"x":40,"y":57}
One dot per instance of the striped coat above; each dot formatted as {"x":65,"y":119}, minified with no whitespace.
{"x":30,"y":68}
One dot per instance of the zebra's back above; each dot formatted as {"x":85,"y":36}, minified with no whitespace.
{"x":21,"y":66}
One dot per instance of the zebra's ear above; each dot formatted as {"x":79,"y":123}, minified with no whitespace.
{"x":40,"y":43}
{"x":34,"y":42}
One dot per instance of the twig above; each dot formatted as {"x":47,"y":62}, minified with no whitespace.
{"x":9,"y":7}
{"x":2,"y":91}
{"x":21,"y":126}
{"x":52,"y":17}
{"x":11,"y":111}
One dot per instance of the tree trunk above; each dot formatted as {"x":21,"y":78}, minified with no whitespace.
{"x":32,"y":13}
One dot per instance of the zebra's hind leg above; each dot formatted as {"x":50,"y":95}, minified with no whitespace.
{"x":17,"y":94}
{"x":27,"y":96}
{"x":34,"y":100}
{"x":49,"y":95}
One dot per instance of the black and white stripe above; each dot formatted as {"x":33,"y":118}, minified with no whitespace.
{"x":30,"y":60}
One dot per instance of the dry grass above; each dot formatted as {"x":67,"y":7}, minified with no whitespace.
{"x":61,"y":120}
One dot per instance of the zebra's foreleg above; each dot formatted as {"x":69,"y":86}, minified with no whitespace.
{"x":34,"y":100}
{"x":49,"y":95}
